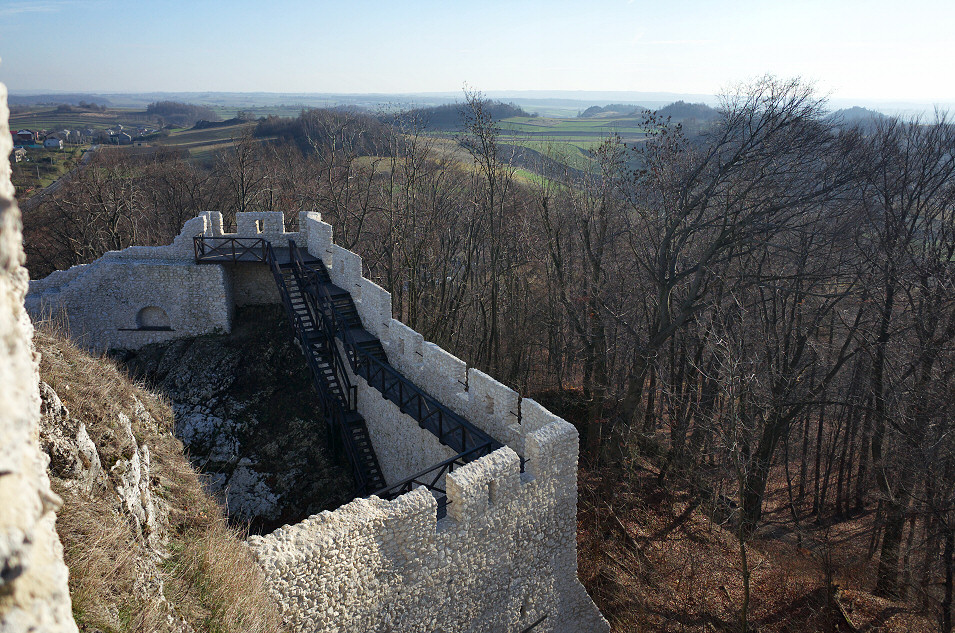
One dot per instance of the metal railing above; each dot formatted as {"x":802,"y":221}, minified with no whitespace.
{"x":447,"y":425}
{"x":349,"y":391}
{"x":334,"y":408}
{"x":319,"y":305}
{"x":230,"y":249}
{"x":430,"y":477}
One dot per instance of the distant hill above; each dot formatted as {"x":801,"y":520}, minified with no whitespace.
{"x":857,"y":117}
{"x":202,"y":124}
{"x":322,"y":129}
{"x":56,"y":99}
{"x":612,"y":109}
{"x":680,"y":111}
{"x":448,"y":116}
{"x":180,"y":114}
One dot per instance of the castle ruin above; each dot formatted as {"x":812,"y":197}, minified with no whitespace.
{"x":468,"y":516}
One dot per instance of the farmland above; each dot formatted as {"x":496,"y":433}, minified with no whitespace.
{"x":50,"y":118}
{"x":202,"y":144}
{"x":569,"y":141}
{"x":199,"y":143}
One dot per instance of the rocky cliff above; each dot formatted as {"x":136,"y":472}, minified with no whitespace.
{"x":33,"y":578}
{"x":249,"y":417}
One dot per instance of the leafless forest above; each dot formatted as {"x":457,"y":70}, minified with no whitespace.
{"x":760,"y":317}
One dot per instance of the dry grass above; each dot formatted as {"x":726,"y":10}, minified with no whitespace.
{"x":208,"y":574}
{"x":103,"y":552}
{"x":96,"y":391}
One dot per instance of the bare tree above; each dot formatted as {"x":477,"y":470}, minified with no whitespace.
{"x":696,"y":207}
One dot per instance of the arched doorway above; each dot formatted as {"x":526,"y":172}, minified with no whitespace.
{"x":152,"y":318}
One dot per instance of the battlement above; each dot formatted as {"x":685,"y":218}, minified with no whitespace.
{"x":469,"y":392}
{"x":503,"y":556}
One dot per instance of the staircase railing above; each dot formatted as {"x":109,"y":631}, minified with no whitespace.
{"x":334,"y":408}
{"x":451,"y":428}
{"x":349,"y":391}
{"x":430,"y":478}
{"x":447,"y":425}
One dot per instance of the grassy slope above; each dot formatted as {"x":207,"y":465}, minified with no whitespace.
{"x":570,"y":140}
{"x":208,"y":574}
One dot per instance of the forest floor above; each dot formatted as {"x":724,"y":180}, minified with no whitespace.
{"x":655,"y":559}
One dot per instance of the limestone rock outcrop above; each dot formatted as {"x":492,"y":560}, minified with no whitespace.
{"x":34,"y":594}
{"x":250,"y":419}
{"x":125,"y":489}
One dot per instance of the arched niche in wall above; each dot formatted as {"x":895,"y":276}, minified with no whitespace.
{"x":152,"y":318}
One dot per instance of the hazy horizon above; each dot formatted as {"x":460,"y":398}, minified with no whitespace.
{"x":853,"y":51}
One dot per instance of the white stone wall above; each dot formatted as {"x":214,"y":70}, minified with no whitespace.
{"x":253,"y":284}
{"x":403,"y":448}
{"x":102,"y":302}
{"x":503,"y":557}
{"x":34,"y":595}
{"x":269,"y":225}
{"x":506,"y":553}
{"x":483,"y":401}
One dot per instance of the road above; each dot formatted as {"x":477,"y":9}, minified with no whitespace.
{"x":54,"y":186}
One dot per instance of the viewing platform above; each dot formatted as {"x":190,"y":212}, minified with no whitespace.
{"x":233,"y":250}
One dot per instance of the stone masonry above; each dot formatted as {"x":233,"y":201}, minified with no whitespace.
{"x":503,"y":559}
{"x":33,"y":577}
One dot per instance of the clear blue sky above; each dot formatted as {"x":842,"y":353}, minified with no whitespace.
{"x":871,"y":49}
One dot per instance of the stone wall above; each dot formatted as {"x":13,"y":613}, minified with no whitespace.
{"x":503,"y":558}
{"x":402,"y":447}
{"x":483,"y":401}
{"x":140,"y":295}
{"x":252,"y":284}
{"x":33,"y":577}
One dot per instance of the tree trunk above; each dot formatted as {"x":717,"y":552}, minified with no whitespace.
{"x":949,"y":580}
{"x":887,"y":584}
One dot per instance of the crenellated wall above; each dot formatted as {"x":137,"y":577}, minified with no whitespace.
{"x":491,"y":406}
{"x":502,"y":558}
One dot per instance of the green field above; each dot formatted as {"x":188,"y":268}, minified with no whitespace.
{"x":196,"y":140}
{"x":569,"y":141}
{"x":46,"y":118}
{"x":41,"y":168}
{"x":629,"y":128}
